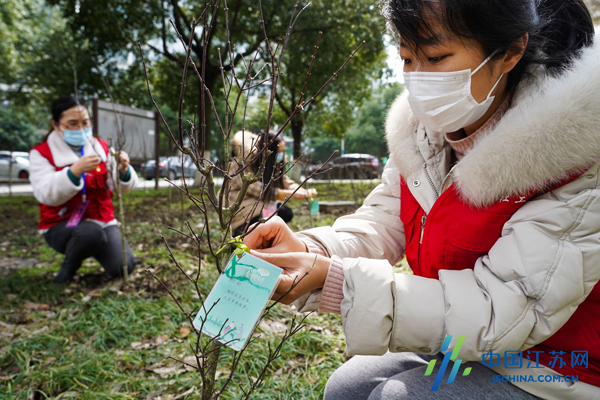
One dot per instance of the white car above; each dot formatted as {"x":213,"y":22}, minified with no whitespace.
{"x":20,"y":164}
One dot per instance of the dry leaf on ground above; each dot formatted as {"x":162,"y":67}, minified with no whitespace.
{"x":184,"y":331}
{"x":161,"y":339}
{"x":318,"y":361}
{"x":35,"y":306}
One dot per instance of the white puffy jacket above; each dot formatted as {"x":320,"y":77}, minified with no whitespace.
{"x":534,"y":277}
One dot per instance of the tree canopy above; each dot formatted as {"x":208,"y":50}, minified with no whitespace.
{"x":342,"y":27}
{"x":367,"y":134}
{"x":16,"y":133}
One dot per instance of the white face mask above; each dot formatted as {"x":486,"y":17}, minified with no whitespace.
{"x":442,"y":101}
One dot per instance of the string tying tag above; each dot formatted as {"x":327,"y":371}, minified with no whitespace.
{"x":240,"y":247}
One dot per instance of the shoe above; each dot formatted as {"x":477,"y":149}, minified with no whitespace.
{"x":63,"y":277}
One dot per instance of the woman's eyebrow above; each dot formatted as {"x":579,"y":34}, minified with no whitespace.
{"x":440,"y":37}
{"x":75,"y":120}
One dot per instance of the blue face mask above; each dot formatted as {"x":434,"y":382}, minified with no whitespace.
{"x":280,"y":156}
{"x":78,"y":137}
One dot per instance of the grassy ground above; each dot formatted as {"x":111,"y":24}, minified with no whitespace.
{"x":107,"y":339}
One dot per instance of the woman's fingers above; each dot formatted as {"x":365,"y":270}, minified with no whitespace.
{"x":287,"y":279}
{"x":273,"y":258}
{"x":302,"y":272}
{"x":89,"y":162}
{"x":285,"y":284}
{"x":273,"y":236}
{"x":261,"y":235}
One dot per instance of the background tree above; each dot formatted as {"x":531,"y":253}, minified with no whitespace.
{"x":97,"y":42}
{"x":344,"y":24}
{"x":27,"y":30}
{"x":367,"y":134}
{"x":112,"y":29}
{"x":321,"y":148}
{"x":16,"y":133}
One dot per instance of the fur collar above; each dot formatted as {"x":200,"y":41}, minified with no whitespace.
{"x":552,"y":129}
{"x":64,"y":155}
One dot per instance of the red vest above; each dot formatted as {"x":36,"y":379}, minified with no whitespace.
{"x":455,"y":235}
{"x":100,"y":207}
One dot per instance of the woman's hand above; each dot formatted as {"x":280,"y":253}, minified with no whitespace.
{"x":123,"y":162}
{"x":85,"y":163}
{"x":302,"y":273}
{"x":300,"y":194}
{"x":274,"y":236}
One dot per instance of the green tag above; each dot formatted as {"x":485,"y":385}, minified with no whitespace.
{"x":236,"y":302}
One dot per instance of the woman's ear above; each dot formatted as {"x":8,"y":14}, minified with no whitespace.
{"x":514,"y":54}
{"x":54,"y":125}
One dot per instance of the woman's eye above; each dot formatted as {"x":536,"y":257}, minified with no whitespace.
{"x":436,"y":59}
{"x":406,"y":61}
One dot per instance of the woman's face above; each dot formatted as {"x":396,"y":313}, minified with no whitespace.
{"x":74,"y":118}
{"x":457,"y":54}
{"x":281,"y":146}
{"x":454,"y":54}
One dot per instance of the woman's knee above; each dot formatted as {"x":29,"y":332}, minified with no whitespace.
{"x":90,"y":233}
{"x":357,"y":378}
{"x":340,"y":386}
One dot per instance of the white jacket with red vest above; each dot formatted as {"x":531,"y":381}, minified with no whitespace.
{"x":544,"y":265}
{"x":58,"y":195}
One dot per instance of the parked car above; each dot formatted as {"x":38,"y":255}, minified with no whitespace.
{"x":169,"y":167}
{"x":350,"y":166}
{"x":20,"y":164}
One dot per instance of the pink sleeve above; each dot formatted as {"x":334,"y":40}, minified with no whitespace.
{"x":333,"y":294}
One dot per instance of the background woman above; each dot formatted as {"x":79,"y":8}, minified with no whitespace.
{"x":492,"y":192}
{"x":268,"y":192}
{"x":70,"y":172}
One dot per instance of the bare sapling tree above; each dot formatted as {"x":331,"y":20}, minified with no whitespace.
{"x":260,"y":71}
{"x":115,"y":149}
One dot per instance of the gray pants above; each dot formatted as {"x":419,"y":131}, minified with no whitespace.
{"x":396,"y":376}
{"x":88,"y":239}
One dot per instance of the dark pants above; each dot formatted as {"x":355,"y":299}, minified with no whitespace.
{"x":88,"y":239}
{"x":286,"y":214}
{"x":401,"y":376}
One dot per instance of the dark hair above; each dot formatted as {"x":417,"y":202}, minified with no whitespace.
{"x":557,"y":29}
{"x":60,"y":105}
{"x":271,"y":167}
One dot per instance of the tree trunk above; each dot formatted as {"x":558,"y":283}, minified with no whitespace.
{"x":211,"y":80}
{"x":297,"y":127}
{"x":208,"y":386}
